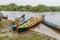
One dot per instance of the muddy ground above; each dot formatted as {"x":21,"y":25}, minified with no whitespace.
{"x":7,"y":31}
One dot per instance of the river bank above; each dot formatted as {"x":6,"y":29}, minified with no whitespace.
{"x":28,"y":35}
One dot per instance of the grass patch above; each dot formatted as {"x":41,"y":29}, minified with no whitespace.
{"x":29,"y":37}
{"x":5,"y":23}
{"x":26,"y":37}
{"x":0,"y":24}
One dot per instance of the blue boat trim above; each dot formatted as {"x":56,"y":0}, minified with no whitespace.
{"x":51,"y":24}
{"x":14,"y":26}
{"x":28,"y":27}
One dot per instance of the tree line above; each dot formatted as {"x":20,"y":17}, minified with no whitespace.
{"x":38,"y":8}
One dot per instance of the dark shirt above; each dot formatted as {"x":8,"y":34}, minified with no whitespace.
{"x":1,"y":15}
{"x":23,"y":15}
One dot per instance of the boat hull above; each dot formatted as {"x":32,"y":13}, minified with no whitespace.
{"x":14,"y":27}
{"x":55,"y":26}
{"x":20,"y":20}
{"x":28,"y":27}
{"x":22,"y":29}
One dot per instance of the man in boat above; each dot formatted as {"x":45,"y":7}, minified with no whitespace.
{"x":32,"y":19}
{"x":1,"y":16}
{"x":21,"y":19}
{"x":6,"y":17}
{"x":16,"y":23}
{"x":23,"y":16}
{"x":43,"y":16}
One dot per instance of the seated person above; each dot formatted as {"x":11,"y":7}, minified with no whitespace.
{"x":6,"y":17}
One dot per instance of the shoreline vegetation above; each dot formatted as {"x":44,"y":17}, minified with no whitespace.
{"x":38,"y":8}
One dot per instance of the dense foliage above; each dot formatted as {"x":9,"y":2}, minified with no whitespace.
{"x":38,"y":8}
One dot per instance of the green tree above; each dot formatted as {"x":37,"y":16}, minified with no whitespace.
{"x":1,"y":8}
{"x":13,"y":6}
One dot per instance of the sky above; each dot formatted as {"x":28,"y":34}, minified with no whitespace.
{"x":32,"y":2}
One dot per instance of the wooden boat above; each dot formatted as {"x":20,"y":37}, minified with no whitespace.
{"x":51,"y":24}
{"x":29,"y":24}
{"x":14,"y":26}
{"x":20,"y":20}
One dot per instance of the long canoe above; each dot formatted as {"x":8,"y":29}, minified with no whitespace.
{"x":51,"y":24}
{"x":20,"y":20}
{"x":14,"y":26}
{"x":29,"y":24}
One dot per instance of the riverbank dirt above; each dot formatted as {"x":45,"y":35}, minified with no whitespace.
{"x":5,"y":23}
{"x":9,"y":34}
